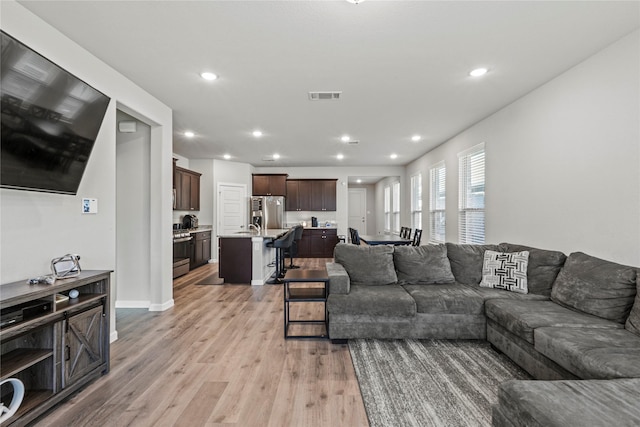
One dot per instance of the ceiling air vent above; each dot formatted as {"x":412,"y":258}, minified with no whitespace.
{"x":324,"y":96}
{"x":268,"y":159}
{"x":354,"y":142}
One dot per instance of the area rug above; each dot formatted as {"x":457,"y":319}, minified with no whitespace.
{"x":213,"y":279}
{"x":430,"y":382}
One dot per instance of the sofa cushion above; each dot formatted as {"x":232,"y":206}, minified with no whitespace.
{"x":367,"y":265}
{"x":543,"y":268}
{"x":591,"y":353}
{"x":521,"y":317}
{"x":568,"y":403}
{"x":384,"y":301}
{"x":633,"y":321}
{"x":490,"y":293}
{"x":446,"y":299}
{"x":338,"y":278}
{"x":595,"y":286}
{"x":466,"y":261}
{"x":422,"y":264}
{"x":505,"y":270}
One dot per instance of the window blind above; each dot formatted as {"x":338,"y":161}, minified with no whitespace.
{"x":437,"y":221}
{"x":416,"y":201}
{"x":471,"y":195}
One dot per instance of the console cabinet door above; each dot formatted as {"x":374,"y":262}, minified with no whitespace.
{"x":83,"y":344}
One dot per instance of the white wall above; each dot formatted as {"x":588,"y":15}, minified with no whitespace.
{"x":36,"y":227}
{"x":562,"y":163}
{"x":133,"y":185}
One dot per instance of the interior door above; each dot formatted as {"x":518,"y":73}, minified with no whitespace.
{"x":358,"y":209}
{"x":232,"y":208}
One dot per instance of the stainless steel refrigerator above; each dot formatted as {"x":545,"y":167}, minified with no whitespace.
{"x":267,"y":211}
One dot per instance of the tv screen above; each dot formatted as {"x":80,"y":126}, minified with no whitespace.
{"x":50,"y":120}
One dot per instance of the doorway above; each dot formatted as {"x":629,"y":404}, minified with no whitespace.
{"x":358,"y":209}
{"x":232,"y":208}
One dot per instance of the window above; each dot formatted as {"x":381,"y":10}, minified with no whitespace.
{"x":387,"y":208}
{"x":396,"y":207}
{"x":416,"y":201}
{"x":437,"y":222}
{"x":471,"y":195}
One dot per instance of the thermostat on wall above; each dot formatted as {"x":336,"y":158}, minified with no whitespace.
{"x":89,"y":206}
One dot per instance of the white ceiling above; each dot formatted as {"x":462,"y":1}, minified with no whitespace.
{"x":402,"y":67}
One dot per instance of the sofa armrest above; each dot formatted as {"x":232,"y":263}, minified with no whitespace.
{"x":339,"y":282}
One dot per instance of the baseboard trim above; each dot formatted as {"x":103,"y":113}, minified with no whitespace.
{"x":113,"y":337}
{"x":162,"y":307}
{"x":133,"y":304}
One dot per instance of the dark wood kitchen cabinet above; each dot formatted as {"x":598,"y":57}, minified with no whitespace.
{"x":201,"y":248}
{"x":298,"y":195}
{"x":186,"y":189}
{"x":311,"y":195}
{"x":234,"y":259}
{"x":323,"y":195}
{"x":269,"y":184}
{"x":317,"y":243}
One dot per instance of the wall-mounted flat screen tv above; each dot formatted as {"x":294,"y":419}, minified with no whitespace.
{"x":50,"y":120}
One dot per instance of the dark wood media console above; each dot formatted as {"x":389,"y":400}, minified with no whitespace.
{"x":60,"y":346}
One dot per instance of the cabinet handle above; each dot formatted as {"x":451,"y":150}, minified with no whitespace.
{"x":66,"y":321}
{"x":67,"y":351}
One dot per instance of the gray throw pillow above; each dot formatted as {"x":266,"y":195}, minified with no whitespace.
{"x":544,"y":266}
{"x":466,"y":261}
{"x":633,"y":321}
{"x":427,"y":264}
{"x":596,"y":286}
{"x":367,"y":265}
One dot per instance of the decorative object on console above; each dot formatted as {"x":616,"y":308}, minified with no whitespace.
{"x":7,"y":412}
{"x":505,"y":270}
{"x":73,"y":293}
{"x":66,"y":266}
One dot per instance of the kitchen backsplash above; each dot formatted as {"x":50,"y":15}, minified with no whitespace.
{"x":296,"y":217}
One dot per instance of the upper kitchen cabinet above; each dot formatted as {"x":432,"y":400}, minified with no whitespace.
{"x":269,"y":185}
{"x":323,"y":195}
{"x":298,"y":195}
{"x":186,"y":189}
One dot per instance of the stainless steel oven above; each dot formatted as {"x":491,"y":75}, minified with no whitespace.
{"x":181,"y":252}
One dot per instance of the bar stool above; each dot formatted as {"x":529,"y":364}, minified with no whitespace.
{"x":281,"y":243}
{"x":293,"y":250}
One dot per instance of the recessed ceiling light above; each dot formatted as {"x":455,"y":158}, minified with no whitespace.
{"x":227,"y":156}
{"x":478,"y":72}
{"x":416,"y":138}
{"x":257,"y":133}
{"x":355,"y":1}
{"x":276,"y":156}
{"x":358,"y":180}
{"x":394,"y":156}
{"x":340,"y":156}
{"x":189,"y":134}
{"x":345,"y":138}
{"x":208,"y":76}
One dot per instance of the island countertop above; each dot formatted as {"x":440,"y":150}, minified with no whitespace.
{"x":270,"y":233}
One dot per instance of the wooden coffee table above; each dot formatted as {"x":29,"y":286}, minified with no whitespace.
{"x":298,"y":294}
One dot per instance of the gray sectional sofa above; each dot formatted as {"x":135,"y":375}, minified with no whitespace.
{"x":559,"y":318}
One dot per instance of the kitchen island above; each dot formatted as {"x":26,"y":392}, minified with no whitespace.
{"x":245,"y":258}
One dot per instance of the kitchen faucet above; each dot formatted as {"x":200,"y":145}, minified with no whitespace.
{"x":256,"y":226}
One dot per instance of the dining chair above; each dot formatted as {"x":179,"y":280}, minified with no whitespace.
{"x":407,"y":233}
{"x":417,"y":236}
{"x":355,"y":237}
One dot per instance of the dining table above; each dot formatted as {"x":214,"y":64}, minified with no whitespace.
{"x":384,"y":239}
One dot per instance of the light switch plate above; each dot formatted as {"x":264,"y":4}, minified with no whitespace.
{"x":89,"y":206}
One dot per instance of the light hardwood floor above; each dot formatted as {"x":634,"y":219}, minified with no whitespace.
{"x":218,"y":358}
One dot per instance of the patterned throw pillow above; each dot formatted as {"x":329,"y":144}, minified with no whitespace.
{"x":508,"y":271}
